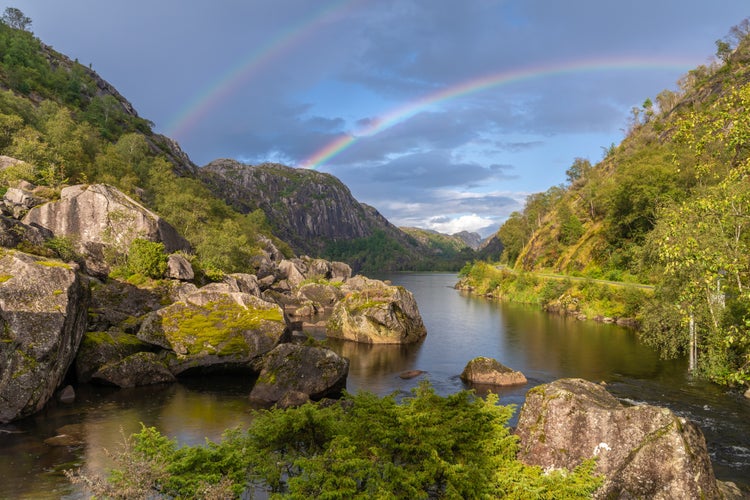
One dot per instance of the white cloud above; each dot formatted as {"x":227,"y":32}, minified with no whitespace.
{"x":472,"y":223}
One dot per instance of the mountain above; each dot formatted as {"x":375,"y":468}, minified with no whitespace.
{"x":472,"y":240}
{"x":317,"y":215}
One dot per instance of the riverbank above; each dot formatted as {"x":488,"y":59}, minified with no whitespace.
{"x":604,"y":301}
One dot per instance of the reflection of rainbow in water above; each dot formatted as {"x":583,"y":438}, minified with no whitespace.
{"x":482,"y":83}
{"x":230,"y":81}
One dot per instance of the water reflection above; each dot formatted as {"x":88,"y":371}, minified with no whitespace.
{"x":459,"y":328}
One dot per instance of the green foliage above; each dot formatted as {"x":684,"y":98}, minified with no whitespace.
{"x":63,"y":248}
{"x":426,"y":446}
{"x":147,"y":258}
{"x":374,"y":253}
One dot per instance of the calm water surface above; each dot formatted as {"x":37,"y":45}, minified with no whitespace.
{"x":460,"y":327}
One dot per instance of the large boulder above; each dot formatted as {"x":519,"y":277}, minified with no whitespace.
{"x":643,"y":451}
{"x":43,"y":307}
{"x":488,"y":371}
{"x":292,"y":368}
{"x":98,"y":349}
{"x":375,"y":313}
{"x":14,"y":233}
{"x":216,"y":329}
{"x":102,"y":222}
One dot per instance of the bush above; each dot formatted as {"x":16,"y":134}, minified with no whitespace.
{"x":426,"y":446}
{"x":147,"y":258}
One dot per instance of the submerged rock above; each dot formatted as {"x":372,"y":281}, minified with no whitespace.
{"x":488,"y":371}
{"x":643,"y":451}
{"x":42,"y":319}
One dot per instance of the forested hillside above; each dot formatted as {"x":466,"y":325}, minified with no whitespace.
{"x":669,"y":206}
{"x":70,"y":126}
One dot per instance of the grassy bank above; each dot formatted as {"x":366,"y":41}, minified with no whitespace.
{"x":580,"y":297}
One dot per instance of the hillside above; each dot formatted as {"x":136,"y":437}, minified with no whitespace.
{"x":668,"y":206}
{"x":71,"y":126}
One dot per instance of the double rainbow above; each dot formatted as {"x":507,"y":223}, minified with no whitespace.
{"x":483,"y":83}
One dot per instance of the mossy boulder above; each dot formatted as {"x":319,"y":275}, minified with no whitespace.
{"x":102,"y":348}
{"x":42,"y":320}
{"x":215,"y":329}
{"x":141,"y":368}
{"x":488,"y":371}
{"x":291,"y":368}
{"x":122,"y":305}
{"x":376,"y":313}
{"x":643,"y":451}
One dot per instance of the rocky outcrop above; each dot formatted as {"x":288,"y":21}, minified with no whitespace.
{"x":488,"y":371}
{"x":102,"y":222}
{"x":643,"y":451}
{"x":215,"y":328}
{"x":376,"y":313}
{"x":43,"y":317}
{"x":291,"y":368}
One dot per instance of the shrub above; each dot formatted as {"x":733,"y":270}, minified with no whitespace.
{"x":147,"y":258}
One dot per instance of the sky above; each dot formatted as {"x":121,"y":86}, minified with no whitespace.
{"x":442,"y":114}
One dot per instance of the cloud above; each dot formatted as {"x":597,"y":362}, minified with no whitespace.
{"x":472,"y":223}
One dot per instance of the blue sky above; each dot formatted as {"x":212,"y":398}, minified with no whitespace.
{"x":282,"y":80}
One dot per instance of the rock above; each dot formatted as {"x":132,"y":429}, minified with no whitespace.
{"x":14,"y":233}
{"x":643,"y":451}
{"x":314,"y":371}
{"x":320,"y":294}
{"x":43,"y":307}
{"x":101,"y":348}
{"x":245,"y":283}
{"x":67,"y":395}
{"x":340,"y":271}
{"x":318,"y":269}
{"x":488,"y":371}
{"x":410,"y":374}
{"x":102,"y":222}
{"x":179,"y":268}
{"x":747,"y":393}
{"x":292,"y":399}
{"x":121,"y":305}
{"x":375,"y":313}
{"x":63,"y":440}
{"x":215,"y":328}
{"x":291,"y":272}
{"x":19,"y":201}
{"x":141,"y":368}
{"x":730,"y":491}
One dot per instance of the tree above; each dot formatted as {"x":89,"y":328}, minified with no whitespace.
{"x":16,"y":19}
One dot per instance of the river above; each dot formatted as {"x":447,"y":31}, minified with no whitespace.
{"x":460,"y":327}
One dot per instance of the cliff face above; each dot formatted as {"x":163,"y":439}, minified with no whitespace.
{"x":307,"y":209}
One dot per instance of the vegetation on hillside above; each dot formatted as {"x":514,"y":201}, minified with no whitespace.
{"x":54,"y":117}
{"x":365,"y":446}
{"x":669,"y":206}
